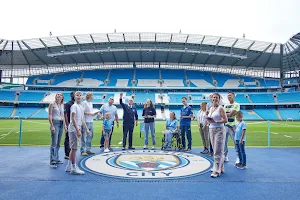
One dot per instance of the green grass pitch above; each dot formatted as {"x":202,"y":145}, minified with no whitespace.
{"x":36,"y":132}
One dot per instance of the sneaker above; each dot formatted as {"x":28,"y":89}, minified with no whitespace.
{"x":188,"y":150}
{"x":76,"y":171}
{"x":153,"y":148}
{"x":101,"y":147}
{"x":84,"y":154}
{"x":110,"y":149}
{"x":210,"y":154}
{"x":67,"y":157}
{"x":59,"y":162}
{"x":205,"y":151}
{"x":131,"y":148}
{"x":237,"y":164}
{"x":106,"y":150}
{"x":214,"y":174}
{"x":241,"y":166}
{"x":145,"y":147}
{"x":123,"y":149}
{"x":68,"y":168}
{"x":53,"y":165}
{"x":226,"y":159}
{"x":237,"y":160}
{"x":90,"y":152}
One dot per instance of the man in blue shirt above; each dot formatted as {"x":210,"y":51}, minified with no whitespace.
{"x":186,"y":115}
{"x":129,"y":117}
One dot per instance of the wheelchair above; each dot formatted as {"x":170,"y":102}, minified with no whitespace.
{"x":176,"y":143}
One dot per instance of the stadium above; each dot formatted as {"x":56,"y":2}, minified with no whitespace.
{"x":163,"y":67}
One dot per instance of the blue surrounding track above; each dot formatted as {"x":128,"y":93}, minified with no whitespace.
{"x":272,"y":174}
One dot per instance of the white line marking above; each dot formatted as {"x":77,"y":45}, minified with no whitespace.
{"x":4,"y":135}
{"x":34,"y":122}
{"x":288,"y":136}
{"x":285,"y":124}
{"x":5,"y":128}
{"x":274,"y":133}
{"x":120,"y":142}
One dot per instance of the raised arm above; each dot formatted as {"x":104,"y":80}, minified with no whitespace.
{"x":121,"y":101}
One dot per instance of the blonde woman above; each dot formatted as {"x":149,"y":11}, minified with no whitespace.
{"x":149,"y":113}
{"x":57,"y":125}
{"x":216,"y":119}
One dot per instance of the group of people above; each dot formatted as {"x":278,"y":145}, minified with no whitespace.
{"x":216,"y":124}
{"x":76,"y":119}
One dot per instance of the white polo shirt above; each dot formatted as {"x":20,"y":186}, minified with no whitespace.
{"x":88,"y":108}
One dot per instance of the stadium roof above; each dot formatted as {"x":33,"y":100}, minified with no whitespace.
{"x":164,"y":48}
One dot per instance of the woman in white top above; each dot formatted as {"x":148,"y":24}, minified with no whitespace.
{"x":203,"y":128}
{"x":57,"y":125}
{"x":216,"y":119}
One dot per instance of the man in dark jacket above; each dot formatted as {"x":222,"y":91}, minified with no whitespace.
{"x":67,"y":121}
{"x":129,"y":117}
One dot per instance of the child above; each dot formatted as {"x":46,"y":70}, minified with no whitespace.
{"x":74,"y":130}
{"x":240,"y":139}
{"x":171,"y":128}
{"x":106,"y":130}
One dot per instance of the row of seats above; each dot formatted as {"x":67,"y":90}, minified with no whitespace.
{"x":255,"y":114}
{"x":150,"y":76}
{"x":102,"y":97}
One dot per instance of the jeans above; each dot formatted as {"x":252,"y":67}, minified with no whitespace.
{"x":127,"y":128}
{"x":240,"y":149}
{"x":168,"y":138}
{"x":186,"y":130}
{"x":152,"y":129}
{"x":103,"y":139}
{"x":230,"y":131}
{"x":217,"y":138}
{"x":55,"y":140}
{"x":86,"y":141}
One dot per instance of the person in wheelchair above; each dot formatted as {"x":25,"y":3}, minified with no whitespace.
{"x":170,"y":130}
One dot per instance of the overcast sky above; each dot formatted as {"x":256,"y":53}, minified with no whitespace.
{"x":264,"y":20}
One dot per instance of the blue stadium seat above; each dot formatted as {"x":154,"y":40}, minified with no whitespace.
{"x":287,"y":113}
{"x":262,"y":98}
{"x":7,"y":95}
{"x":25,"y":112}
{"x":31,"y":96}
{"x":267,"y":113}
{"x":288,"y":97}
{"x":116,"y":74}
{"x":5,"y":111}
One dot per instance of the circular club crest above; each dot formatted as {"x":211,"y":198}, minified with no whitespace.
{"x":146,"y":164}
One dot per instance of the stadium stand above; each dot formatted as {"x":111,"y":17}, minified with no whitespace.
{"x":7,"y":95}
{"x":26,"y":112}
{"x":267,"y":113}
{"x":288,"y":97}
{"x":5,"y":111}
{"x":35,"y":96}
{"x":120,"y":76}
{"x":262,"y":98}
{"x":289,"y":113}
